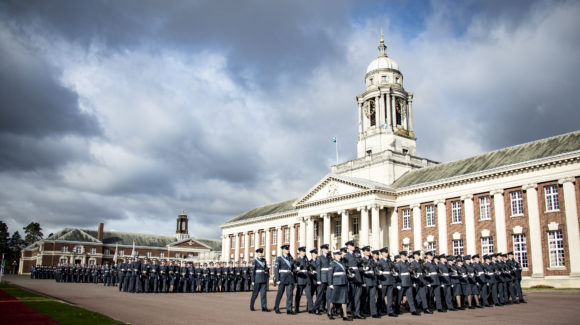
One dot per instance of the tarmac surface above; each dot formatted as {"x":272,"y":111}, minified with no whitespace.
{"x":543,"y":307}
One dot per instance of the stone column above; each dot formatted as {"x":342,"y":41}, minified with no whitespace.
{"x":571,"y":208}
{"x":376,"y":227}
{"x":360,"y":118}
{"x":345,"y":227}
{"x":364,"y":227}
{"x":410,"y":101}
{"x":302,"y":230}
{"x":499,"y":213}
{"x":246,"y":245}
{"x":393,"y":108}
{"x":535,"y":231}
{"x":378,"y":111}
{"x":237,"y":247}
{"x":309,"y":234}
{"x":279,"y":239}
{"x":326,"y":228}
{"x":293,"y":239}
{"x":227,"y":252}
{"x":417,"y":242}
{"x":442,"y":226}
{"x":394,"y":232}
{"x":268,"y":245}
{"x":469,"y":224}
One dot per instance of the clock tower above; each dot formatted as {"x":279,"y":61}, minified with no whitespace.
{"x":385,"y":109}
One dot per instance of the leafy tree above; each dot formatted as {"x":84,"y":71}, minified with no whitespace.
{"x":33,"y":233}
{"x":4,"y":238}
{"x":16,"y":242}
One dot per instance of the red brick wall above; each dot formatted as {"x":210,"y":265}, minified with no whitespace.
{"x":453,"y":228}
{"x":521,"y":221}
{"x":484,"y":224}
{"x":408,"y":232}
{"x":545,"y":219}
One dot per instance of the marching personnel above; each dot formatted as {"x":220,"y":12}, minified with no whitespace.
{"x":205,"y":278}
{"x":183,"y":277}
{"x":339,"y":283}
{"x":155,"y":269}
{"x":490,"y":279}
{"x":498,"y":279}
{"x":482,"y":281}
{"x":312,"y":274}
{"x":191,"y":279}
{"x":199,"y":278}
{"x":465,"y":279}
{"x":445,"y":282}
{"x":106,"y":275}
{"x":454,"y":275}
{"x":355,"y":287}
{"x":302,"y":280}
{"x":260,"y":278}
{"x":432,"y":277}
{"x":212,"y":278}
{"x":517,"y":277}
{"x":420,"y":282}
{"x":245,"y":277}
{"x":322,"y":263}
{"x":128,"y":275}
{"x":163,"y":275}
{"x":284,"y":279}
{"x":370,"y":281}
{"x":386,"y":282}
{"x":219,"y":276}
{"x":472,"y":277}
{"x":146,"y":275}
{"x":405,"y":284}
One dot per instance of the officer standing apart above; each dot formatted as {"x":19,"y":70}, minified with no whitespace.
{"x":260,"y":277}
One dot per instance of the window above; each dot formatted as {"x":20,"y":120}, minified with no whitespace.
{"x":384,"y":78}
{"x":233,"y":243}
{"x":407,"y":247}
{"x":432,"y":246}
{"x":148,"y":254}
{"x":355,"y":226}
{"x":556,"y":248}
{"x":286,"y":235}
{"x":551,"y":193}
{"x":430,"y":215}
{"x":121,"y":253}
{"x":161,"y":255}
{"x":274,"y":237}
{"x":520,"y":250}
{"x":371,"y":81}
{"x":78,"y":250}
{"x":456,"y":212}
{"x":177,"y":255}
{"x":517,"y":203}
{"x":93,"y":251}
{"x":252,"y":240}
{"x":299,"y":234}
{"x":337,"y":228}
{"x":91,"y":262}
{"x":484,"y":208}
{"x":64,"y":249}
{"x":107,"y":251}
{"x":486,"y":245}
{"x":263,"y":238}
{"x":458,"y":247}
{"x":406,"y":219}
{"x":63,"y":260}
{"x":242,"y":241}
{"x":315,"y":230}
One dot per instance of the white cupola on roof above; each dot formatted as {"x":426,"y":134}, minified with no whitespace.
{"x":382,"y":61}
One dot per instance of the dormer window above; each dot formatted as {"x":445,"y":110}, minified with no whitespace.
{"x":383,"y":78}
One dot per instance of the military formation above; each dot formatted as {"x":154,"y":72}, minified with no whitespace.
{"x":355,"y":283}
{"x":144,"y":275}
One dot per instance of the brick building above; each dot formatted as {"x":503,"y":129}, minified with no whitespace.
{"x":88,"y":246}
{"x":523,"y":198}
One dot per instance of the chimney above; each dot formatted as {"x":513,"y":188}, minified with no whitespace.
{"x":100,"y":231}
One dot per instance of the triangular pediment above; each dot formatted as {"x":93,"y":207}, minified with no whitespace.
{"x":332,"y":186}
{"x":189,"y":243}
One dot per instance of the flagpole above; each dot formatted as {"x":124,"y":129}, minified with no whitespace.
{"x":336,"y":147}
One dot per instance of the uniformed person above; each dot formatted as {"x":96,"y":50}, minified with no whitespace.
{"x":302,"y":280}
{"x":260,"y":278}
{"x":370,"y":268}
{"x":284,"y":279}
{"x":338,"y":282}
{"x":517,"y":277}
{"x":386,"y":283}
{"x":405,"y":283}
{"x":353,"y":262}
{"x":420,"y":282}
{"x":312,"y":273}
{"x":322,"y":263}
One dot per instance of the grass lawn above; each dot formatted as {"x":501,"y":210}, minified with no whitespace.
{"x":61,"y":312}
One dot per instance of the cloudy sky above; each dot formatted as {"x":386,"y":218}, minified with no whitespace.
{"x":127,"y":112}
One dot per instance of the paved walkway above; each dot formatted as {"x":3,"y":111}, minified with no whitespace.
{"x":13,"y":311}
{"x":553,"y":307}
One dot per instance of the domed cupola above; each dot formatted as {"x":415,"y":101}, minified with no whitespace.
{"x":385,"y":109}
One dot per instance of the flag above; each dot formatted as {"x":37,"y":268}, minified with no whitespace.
{"x":115,"y":256}
{"x":334,"y":139}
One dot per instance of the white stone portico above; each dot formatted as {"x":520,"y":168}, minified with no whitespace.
{"x":522,"y":198}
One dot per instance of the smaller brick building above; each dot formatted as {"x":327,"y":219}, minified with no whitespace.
{"x":97,"y":246}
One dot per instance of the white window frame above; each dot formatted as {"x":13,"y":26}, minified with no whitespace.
{"x":383,"y":78}
{"x":274,"y":237}
{"x":299,"y":235}
{"x":315,"y":228}
{"x":484,"y":207}
{"x":148,"y":254}
{"x":253,"y":240}
{"x":233,"y":241}
{"x":64,"y":249}
{"x":242,"y":241}
{"x":177,"y":255}
{"x":106,"y":251}
{"x":406,"y":219}
{"x":430,"y":215}
{"x":93,"y":251}
{"x":63,"y":260}
{"x":287,"y":235}
{"x":520,"y":249}
{"x":486,"y":245}
{"x":551,"y":196}
{"x":78,"y":250}
{"x":456,"y":212}
{"x":431,"y":246}
{"x":407,"y":247}
{"x":458,"y":247}
{"x":263,"y":238}
{"x":355,"y":226}
{"x":121,"y":252}
{"x":517,"y":203}
{"x":556,"y":248}
{"x":337,"y":228}
{"x":92,"y":261}
{"x":161,"y":255}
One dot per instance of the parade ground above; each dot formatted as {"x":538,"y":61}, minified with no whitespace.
{"x":543,"y":307}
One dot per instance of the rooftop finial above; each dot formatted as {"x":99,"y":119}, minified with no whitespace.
{"x":382,"y":39}
{"x":382,"y":46}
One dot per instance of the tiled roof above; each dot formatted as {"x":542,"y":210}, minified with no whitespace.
{"x":280,"y":207}
{"x":512,"y":155}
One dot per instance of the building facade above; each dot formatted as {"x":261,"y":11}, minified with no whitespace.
{"x":96,"y":247}
{"x":523,"y":199}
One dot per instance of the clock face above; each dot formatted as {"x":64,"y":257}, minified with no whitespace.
{"x":370,"y":108}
